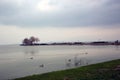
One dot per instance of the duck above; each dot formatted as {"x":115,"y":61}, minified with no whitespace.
{"x":31,"y":58}
{"x":69,"y":60}
{"x":42,"y":65}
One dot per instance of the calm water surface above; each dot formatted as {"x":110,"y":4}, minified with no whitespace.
{"x":18,"y":61}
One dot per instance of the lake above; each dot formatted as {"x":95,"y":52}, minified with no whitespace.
{"x":18,"y":61}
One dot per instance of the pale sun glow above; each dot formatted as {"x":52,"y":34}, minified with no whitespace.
{"x":46,"y":6}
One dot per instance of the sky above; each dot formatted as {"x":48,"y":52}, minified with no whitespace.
{"x":59,"y":20}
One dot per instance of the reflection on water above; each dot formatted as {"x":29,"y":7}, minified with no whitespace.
{"x":117,"y":47}
{"x":28,"y":50}
{"x":19,"y":61}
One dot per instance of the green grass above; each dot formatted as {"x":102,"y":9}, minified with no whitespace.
{"x":101,"y":71}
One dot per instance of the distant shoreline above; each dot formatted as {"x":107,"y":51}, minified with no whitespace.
{"x":74,"y":43}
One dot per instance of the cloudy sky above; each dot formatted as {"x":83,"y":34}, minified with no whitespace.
{"x":59,"y":20}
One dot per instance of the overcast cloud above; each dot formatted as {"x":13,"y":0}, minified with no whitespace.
{"x":59,"y":12}
{"x":65,"y":20}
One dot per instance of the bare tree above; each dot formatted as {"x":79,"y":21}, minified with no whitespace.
{"x":31,"y":41}
{"x":26,"y":41}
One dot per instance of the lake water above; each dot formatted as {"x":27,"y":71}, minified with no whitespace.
{"x":18,"y":61}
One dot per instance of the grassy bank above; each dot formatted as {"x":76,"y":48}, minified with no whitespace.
{"x":101,"y":71}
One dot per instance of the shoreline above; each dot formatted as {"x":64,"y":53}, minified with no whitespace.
{"x":100,"y":71}
{"x":74,"y":43}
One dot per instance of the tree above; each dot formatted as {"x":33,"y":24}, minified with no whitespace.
{"x":31,"y":41}
{"x":37,"y":39}
{"x":26,"y":41}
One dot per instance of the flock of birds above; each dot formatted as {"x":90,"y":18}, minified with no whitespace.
{"x":68,"y":63}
